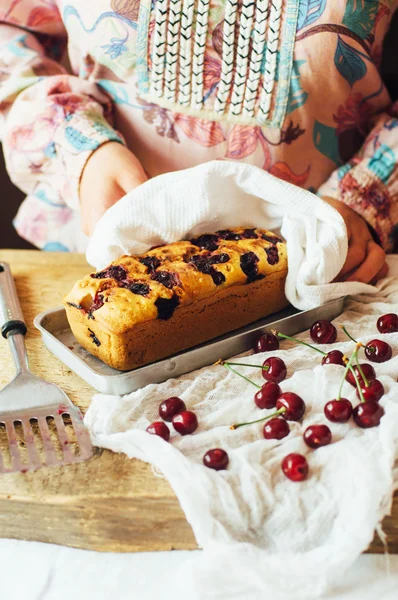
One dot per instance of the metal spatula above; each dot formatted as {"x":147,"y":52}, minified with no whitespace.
{"x":33,"y":412}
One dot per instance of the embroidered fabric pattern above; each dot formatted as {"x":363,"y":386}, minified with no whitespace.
{"x":202,"y":22}
{"x":159,"y":48}
{"x":184,"y":93}
{"x":250,"y":37}
{"x":242,"y":56}
{"x":172,"y":49}
{"x":228,"y":58}
{"x":256,"y":57}
{"x":270,"y":59}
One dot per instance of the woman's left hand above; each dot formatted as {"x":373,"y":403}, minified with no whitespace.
{"x":366,"y":260}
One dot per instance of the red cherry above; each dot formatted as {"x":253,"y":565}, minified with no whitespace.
{"x":316,"y":436}
{"x":368,"y":414}
{"x":159,"y":428}
{"x":338,"y":411}
{"x":334,"y":357}
{"x":276,"y":429}
{"x":323,"y":332}
{"x":216,"y":459}
{"x":276,"y":369}
{"x":294,"y":405}
{"x":378,"y":351}
{"x":266,"y":343}
{"x":267,"y":396}
{"x":368,"y":371}
{"x":373,"y":392}
{"x":295,"y":467}
{"x":170,"y":407}
{"x":185,"y":422}
{"x":388,"y":323}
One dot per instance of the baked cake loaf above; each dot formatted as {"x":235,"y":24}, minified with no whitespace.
{"x":144,"y":308}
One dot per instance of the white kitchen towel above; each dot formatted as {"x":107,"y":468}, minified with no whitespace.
{"x":263,"y":535}
{"x":223,"y":194}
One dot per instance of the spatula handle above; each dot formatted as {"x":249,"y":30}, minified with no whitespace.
{"x":11,"y":316}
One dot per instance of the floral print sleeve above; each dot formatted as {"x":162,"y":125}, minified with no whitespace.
{"x":50,"y":121}
{"x":368,"y":183}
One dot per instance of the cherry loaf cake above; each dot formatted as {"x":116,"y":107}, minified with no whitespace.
{"x":144,"y":308}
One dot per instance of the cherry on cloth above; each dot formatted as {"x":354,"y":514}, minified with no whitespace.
{"x":216,"y":459}
{"x":185,"y":422}
{"x":295,"y":467}
{"x":388,"y":323}
{"x":374,"y":391}
{"x":276,"y":429}
{"x":252,"y":501}
{"x":266,"y":343}
{"x":323,"y":332}
{"x":378,"y":351}
{"x":267,"y":396}
{"x":334,"y":357}
{"x":159,"y":428}
{"x":275,"y":369}
{"x":338,"y":411}
{"x":170,"y":407}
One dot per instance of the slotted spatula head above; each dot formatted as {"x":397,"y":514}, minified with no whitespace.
{"x":39,"y":425}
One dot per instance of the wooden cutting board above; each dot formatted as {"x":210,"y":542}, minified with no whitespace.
{"x":110,"y":503}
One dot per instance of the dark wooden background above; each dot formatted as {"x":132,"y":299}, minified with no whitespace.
{"x":11,"y":197}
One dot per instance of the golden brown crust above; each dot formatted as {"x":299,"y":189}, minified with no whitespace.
{"x":147,"y":307}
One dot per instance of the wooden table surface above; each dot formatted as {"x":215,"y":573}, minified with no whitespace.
{"x":110,"y":503}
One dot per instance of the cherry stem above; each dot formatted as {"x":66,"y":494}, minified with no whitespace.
{"x":343,"y":327}
{"x":354,"y":340}
{"x":362,"y":374}
{"x":358,"y":385}
{"x":292,"y":339}
{"x":228,"y":366}
{"x":347,"y":368}
{"x":275,"y":414}
{"x":239,"y":364}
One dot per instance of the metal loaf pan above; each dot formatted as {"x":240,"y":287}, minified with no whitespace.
{"x":59,"y":340}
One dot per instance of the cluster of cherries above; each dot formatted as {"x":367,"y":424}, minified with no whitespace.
{"x":290,"y":407}
{"x":173,"y":410}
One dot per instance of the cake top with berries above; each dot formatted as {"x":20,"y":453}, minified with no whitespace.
{"x":135,"y":289}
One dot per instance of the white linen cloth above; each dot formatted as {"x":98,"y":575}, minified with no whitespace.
{"x":60,"y":573}
{"x":223,"y":194}
{"x":261,"y":532}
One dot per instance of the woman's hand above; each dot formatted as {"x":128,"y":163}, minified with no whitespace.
{"x":110,"y":172}
{"x":366,"y":260}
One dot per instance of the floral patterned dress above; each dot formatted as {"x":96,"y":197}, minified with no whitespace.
{"x":292,"y":86}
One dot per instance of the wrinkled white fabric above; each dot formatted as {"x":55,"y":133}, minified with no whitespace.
{"x":261,"y":532}
{"x":59,"y":573}
{"x":222,"y":194}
